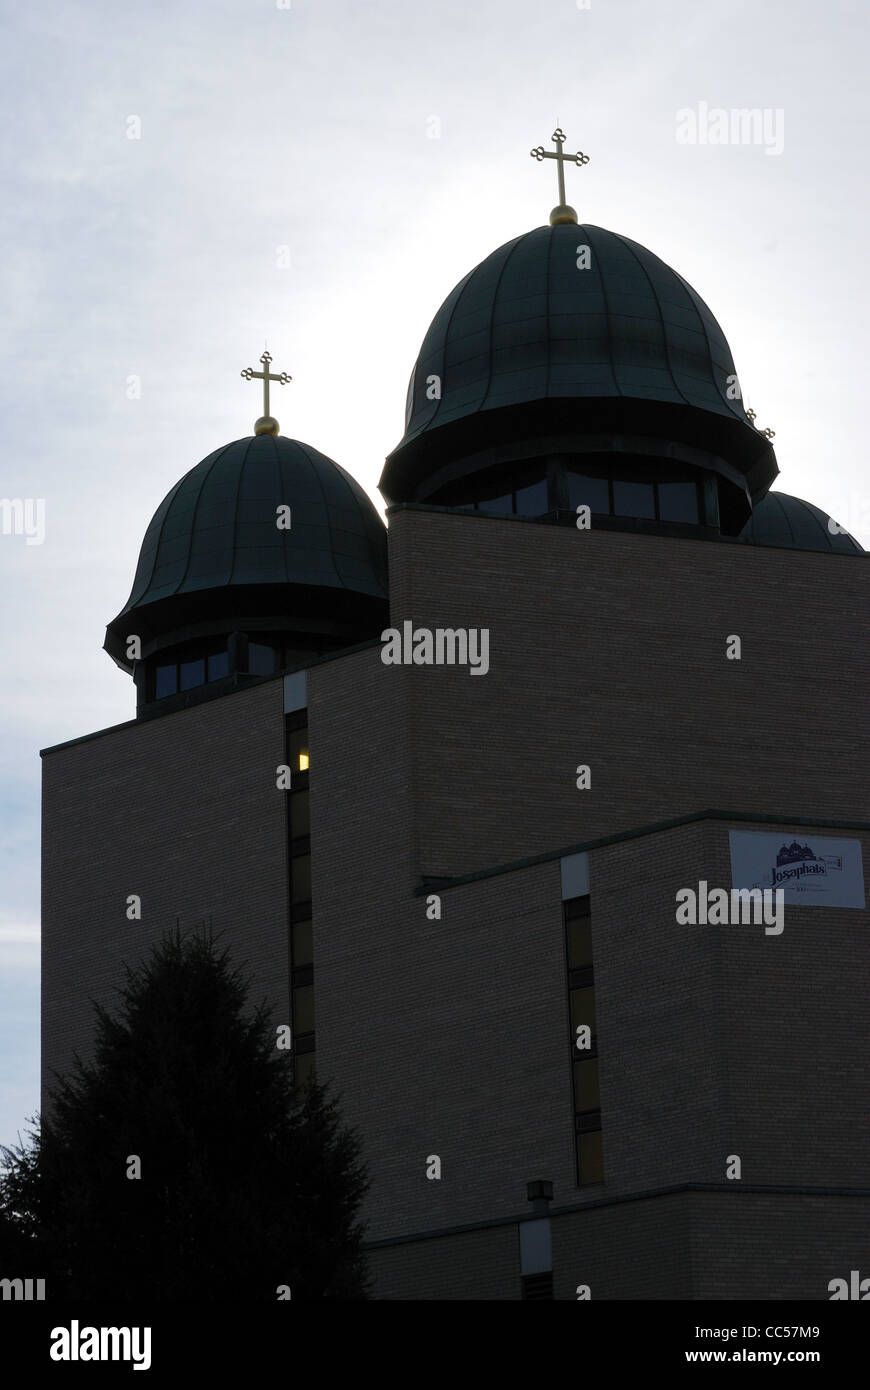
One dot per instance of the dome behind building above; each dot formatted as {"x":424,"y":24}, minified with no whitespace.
{"x":782,"y":520}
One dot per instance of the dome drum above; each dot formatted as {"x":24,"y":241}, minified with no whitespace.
{"x":736,"y":454}
{"x":192,"y":617}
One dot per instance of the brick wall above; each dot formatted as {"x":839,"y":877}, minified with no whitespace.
{"x":451,"y":1037}
{"x":184,"y":812}
{"x":608,"y":648}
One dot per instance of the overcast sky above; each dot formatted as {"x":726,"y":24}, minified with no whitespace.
{"x":317,"y":175}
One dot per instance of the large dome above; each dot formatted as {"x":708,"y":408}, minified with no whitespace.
{"x":530,"y":344}
{"x":214,"y":558}
{"x":794,"y":524}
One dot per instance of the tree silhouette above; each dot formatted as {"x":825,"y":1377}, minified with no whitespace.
{"x":245,"y":1186}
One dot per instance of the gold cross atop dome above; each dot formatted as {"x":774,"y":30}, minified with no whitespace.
{"x":266,"y":423}
{"x":563,"y":212}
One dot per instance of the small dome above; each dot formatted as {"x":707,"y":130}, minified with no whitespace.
{"x":546,"y":339}
{"x":214,"y":557}
{"x":787,"y":521}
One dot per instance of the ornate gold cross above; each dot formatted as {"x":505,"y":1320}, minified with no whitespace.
{"x":564,"y":212}
{"x":266,"y":424}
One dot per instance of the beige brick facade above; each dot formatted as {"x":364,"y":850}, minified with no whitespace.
{"x":451,"y":1037}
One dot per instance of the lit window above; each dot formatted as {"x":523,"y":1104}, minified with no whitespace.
{"x":297,"y":749}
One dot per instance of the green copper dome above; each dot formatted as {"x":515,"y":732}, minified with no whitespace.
{"x":214,"y":557}
{"x":787,"y":521}
{"x":565,"y":334}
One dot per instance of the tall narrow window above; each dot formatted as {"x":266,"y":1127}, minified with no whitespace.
{"x":584,"y":1041}
{"x":301,"y":941}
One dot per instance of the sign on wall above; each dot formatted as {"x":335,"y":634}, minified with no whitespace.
{"x":812,"y":870}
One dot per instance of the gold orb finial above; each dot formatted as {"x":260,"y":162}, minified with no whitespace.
{"x":562,"y":213}
{"x":267,"y":424}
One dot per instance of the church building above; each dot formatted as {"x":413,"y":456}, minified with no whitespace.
{"x":538,"y":813}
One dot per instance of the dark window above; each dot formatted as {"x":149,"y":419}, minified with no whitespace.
{"x":192,"y":674}
{"x":538,"y":1286}
{"x":589,"y":492}
{"x":218,"y":665}
{"x":301,"y":878}
{"x":166,"y":681}
{"x":303,"y":1009}
{"x":579,"y":943}
{"x":299,"y":819}
{"x":583,"y":1009}
{"x":584,"y":1062}
{"x":261,"y":659}
{"x":502,"y":506}
{"x":586,"y":1091}
{"x":304,"y":1067}
{"x":633,"y":499}
{"x":303,"y":945}
{"x":590,"y":1157}
{"x":678,"y":502}
{"x":532,"y":499}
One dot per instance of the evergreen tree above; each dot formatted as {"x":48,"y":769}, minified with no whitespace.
{"x":180,"y":1163}
{"x":22,"y":1250}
